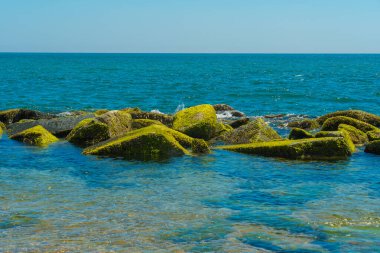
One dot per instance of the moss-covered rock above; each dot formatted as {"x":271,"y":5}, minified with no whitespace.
{"x":118,"y":122}
{"x":37,"y":136}
{"x":2,"y":126}
{"x":148,"y":143}
{"x":332,"y":124}
{"x":315,"y":148}
{"x":101,"y":112}
{"x":198,"y":121}
{"x":358,"y":137}
{"x":141,"y":123}
{"x":373,"y":135}
{"x":307,"y":124}
{"x":1,"y":131}
{"x":222,"y":128}
{"x":89,"y":132}
{"x":15,"y":115}
{"x":199,"y":146}
{"x":255,"y":131}
{"x":342,"y":133}
{"x":356,"y":114}
{"x":373,"y":147}
{"x":298,"y":133}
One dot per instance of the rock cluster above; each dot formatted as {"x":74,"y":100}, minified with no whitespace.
{"x":134,"y":134}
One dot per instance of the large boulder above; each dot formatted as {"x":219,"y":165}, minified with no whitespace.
{"x":341,"y":133}
{"x":15,"y":115}
{"x":118,"y":122}
{"x":358,"y":137}
{"x":373,"y":147}
{"x":307,"y":124}
{"x":356,"y":114}
{"x":147,"y":143}
{"x":198,"y":122}
{"x":256,"y":130}
{"x":108,"y":125}
{"x":332,"y":124}
{"x":298,"y":133}
{"x":36,"y":135}
{"x":89,"y":132}
{"x":315,"y":148}
{"x":60,"y":126}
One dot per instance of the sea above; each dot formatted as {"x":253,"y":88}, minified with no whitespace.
{"x":57,"y":200}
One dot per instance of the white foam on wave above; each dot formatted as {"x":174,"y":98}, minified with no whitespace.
{"x":63,"y":114}
{"x":156,"y":111}
{"x":180,"y":107}
{"x":224,"y":115}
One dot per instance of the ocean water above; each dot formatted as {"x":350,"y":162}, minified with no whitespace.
{"x":57,"y":200}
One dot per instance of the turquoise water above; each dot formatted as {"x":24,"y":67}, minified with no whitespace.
{"x":57,"y":199}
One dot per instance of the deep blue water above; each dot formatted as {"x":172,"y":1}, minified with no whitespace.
{"x":57,"y":199}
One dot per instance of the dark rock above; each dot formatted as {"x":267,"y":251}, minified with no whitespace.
{"x":60,"y":126}
{"x":373,"y":147}
{"x":239,"y":122}
{"x":307,"y":124}
{"x":223,"y":107}
{"x":15,"y":115}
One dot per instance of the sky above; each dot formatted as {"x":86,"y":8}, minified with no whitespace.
{"x":190,"y":26}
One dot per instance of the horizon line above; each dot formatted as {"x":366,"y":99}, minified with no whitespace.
{"x":89,"y":52}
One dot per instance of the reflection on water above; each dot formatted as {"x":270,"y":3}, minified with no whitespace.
{"x":57,"y":199}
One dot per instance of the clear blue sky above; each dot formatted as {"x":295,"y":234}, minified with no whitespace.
{"x":253,"y":26}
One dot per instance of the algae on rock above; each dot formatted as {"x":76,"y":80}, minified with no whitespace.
{"x":332,"y":124}
{"x":37,"y":136}
{"x":373,"y":135}
{"x":198,"y":121}
{"x":141,"y":123}
{"x":358,"y":137}
{"x":307,"y":124}
{"x":356,"y":114}
{"x":315,"y":148}
{"x":298,"y":133}
{"x":88,"y":132}
{"x":256,"y":130}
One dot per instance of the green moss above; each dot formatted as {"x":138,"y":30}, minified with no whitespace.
{"x":1,"y":131}
{"x":25,"y":120}
{"x":37,"y":136}
{"x":373,"y":147}
{"x":307,"y":124}
{"x":332,"y":124}
{"x":373,"y":135}
{"x":141,"y":123}
{"x":356,"y":114}
{"x":199,"y":146}
{"x":222,"y":128}
{"x":101,"y":112}
{"x":298,"y":133}
{"x":198,"y":121}
{"x":255,"y":131}
{"x":148,"y":143}
{"x":342,"y":133}
{"x":118,"y":122}
{"x":136,"y":113}
{"x":2,"y":126}
{"x":88,"y":132}
{"x":358,"y":137}
{"x":315,"y":148}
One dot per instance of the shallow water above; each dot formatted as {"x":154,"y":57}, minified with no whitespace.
{"x":57,"y":199}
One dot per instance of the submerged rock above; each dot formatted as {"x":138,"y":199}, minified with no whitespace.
{"x":255,"y":131}
{"x":332,"y":124}
{"x":37,"y":136}
{"x":315,"y":148}
{"x":15,"y":115}
{"x":298,"y":133}
{"x":373,"y":135}
{"x":198,"y":122}
{"x":358,"y":137}
{"x":356,"y":114}
{"x":307,"y":124}
{"x":59,"y":127}
{"x":373,"y":147}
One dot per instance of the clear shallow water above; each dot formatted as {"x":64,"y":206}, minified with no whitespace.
{"x":57,"y":199}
